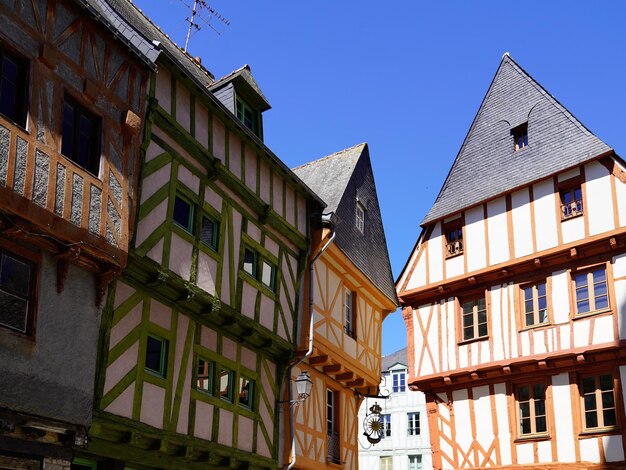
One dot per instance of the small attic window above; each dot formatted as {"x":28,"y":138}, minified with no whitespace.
{"x":248,"y":116}
{"x":360,"y":217}
{"x":520,"y":136}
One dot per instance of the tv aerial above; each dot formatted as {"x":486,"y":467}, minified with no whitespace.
{"x":196,"y":20}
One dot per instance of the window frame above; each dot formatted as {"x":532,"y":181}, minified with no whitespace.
{"x":229,"y":396}
{"x":94,"y":157}
{"x":259,"y":261}
{"x":359,"y":217}
{"x":534,"y":285}
{"x":531,"y":409}
{"x":332,"y":425}
{"x":475,"y":312}
{"x":349,"y":312}
{"x":214,"y":243}
{"x":576,"y":207}
{"x":520,"y":132}
{"x":33,"y":261}
{"x":401,"y":387}
{"x":251,"y":392}
{"x":254,"y":115}
{"x":21,"y":105}
{"x":388,"y":462}
{"x":210,"y":367}
{"x":601,"y":428}
{"x":453,"y":232}
{"x":192,"y":214}
{"x":413,"y":423}
{"x":385,"y":421}
{"x":163,"y":369}
{"x":416,"y":464}
{"x":590,"y":287}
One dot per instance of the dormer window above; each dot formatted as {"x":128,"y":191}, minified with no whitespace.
{"x":248,"y":116}
{"x":520,"y":136}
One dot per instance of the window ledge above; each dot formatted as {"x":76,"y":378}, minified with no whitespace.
{"x":599,"y":432}
{"x":473,"y":340}
{"x":538,"y":326}
{"x":454,"y":255}
{"x":604,"y":311}
{"x":573,"y":216}
{"x":533,"y":438}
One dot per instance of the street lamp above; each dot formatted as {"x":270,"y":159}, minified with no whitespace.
{"x":303,"y":386}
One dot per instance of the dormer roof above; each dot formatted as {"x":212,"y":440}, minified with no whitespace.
{"x":488,"y":164}
{"x":246,"y":85}
{"x":396,"y":360}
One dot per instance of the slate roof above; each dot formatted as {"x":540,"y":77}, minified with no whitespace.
{"x":342,"y":179}
{"x":244,"y":74}
{"x":400,"y":356}
{"x":487,"y":163}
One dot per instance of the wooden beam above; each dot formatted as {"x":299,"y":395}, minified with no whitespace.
{"x":356,"y":383}
{"x":318,"y":360}
{"x":332,"y":369}
{"x":345,"y":376}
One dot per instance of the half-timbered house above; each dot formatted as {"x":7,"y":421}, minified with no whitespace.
{"x":198,"y":333}
{"x":351,"y":291}
{"x":72,"y":101}
{"x":515,"y":294}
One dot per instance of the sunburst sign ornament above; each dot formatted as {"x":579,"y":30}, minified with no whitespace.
{"x":373,"y":425}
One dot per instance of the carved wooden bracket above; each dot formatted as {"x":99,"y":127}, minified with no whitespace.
{"x":102,"y":282}
{"x":63,"y":263}
{"x":132,"y":123}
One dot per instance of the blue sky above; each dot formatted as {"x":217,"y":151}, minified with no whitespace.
{"x":407,"y":77}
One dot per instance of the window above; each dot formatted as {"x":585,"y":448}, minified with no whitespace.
{"x":209,"y":232}
{"x":474,"y":318}
{"x":332,"y":425}
{"x":415,"y":462}
{"x":531,"y":401}
{"x":386,"y":463}
{"x":535,"y":304}
{"x":226,"y":384}
{"x":399,"y":381}
{"x":204,"y":380}
{"x":360,"y":217}
{"x":156,"y":355}
{"x":520,"y":136}
{"x":454,"y":238}
{"x":17,"y":280}
{"x":183,"y":214}
{"x":260,"y":268}
{"x":598,"y":401}
{"x":80,"y":141}
{"x":246,"y":392}
{"x":591,"y":291}
{"x":13,"y":86}
{"x":349,"y":310}
{"x":248,"y":116}
{"x":413,"y":420}
{"x":571,"y":202}
{"x":386,"y":423}
{"x":84,"y":464}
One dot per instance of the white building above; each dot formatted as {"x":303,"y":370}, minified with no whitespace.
{"x":405,"y":444}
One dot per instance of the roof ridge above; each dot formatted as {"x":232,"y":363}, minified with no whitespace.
{"x":185,"y":53}
{"x":328,"y":156}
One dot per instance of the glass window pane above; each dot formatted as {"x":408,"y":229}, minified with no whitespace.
{"x":599,"y":275}
{"x":204,"y":375}
{"x":183,"y":214}
{"x":540,"y":424}
{"x":590,"y":402}
{"x":541,"y":289}
{"x":15,"y":275}
{"x":591,"y":419}
{"x":608,"y":399}
{"x":208,"y":232}
{"x":67,"y":138}
{"x":581,"y":280}
{"x":468,"y":320}
{"x":524,"y":409}
{"x":249,"y":262}
{"x":225,"y":385}
{"x":582,"y":306}
{"x":602,"y":302}
{"x":482,"y":329}
{"x":578,"y":193}
{"x":530,"y":319}
{"x":13,"y":311}
{"x":609,"y":417}
{"x":523,"y":393}
{"x":525,"y":426}
{"x":468,"y":332}
{"x":468,"y":307}
{"x":267,"y":275}
{"x":154,"y":355}
{"x":245,"y":392}
{"x":589,"y":385}
{"x":539,"y":391}
{"x":606,"y":382}
{"x":481,"y":303}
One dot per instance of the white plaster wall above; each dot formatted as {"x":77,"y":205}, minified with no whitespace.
{"x":560,"y":297}
{"x":418,"y":277}
{"x":599,"y":198}
{"x":573,"y":229}
{"x":435,"y":254}
{"x":475,"y":241}
{"x":603,"y":331}
{"x":525,"y":453}
{"x":498,"y":231}
{"x":581,"y":332}
{"x":522,"y":235}
{"x":462,"y":419}
{"x":589,"y":450}
{"x":163,"y":89}
{"x":561,"y":399}
{"x":621,"y":201}
{"x":482,"y":411}
{"x":546,"y":217}
{"x":502,"y":416}
{"x":496,"y":323}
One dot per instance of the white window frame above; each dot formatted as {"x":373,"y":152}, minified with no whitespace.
{"x":360,"y":217}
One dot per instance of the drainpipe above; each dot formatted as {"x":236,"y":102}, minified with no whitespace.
{"x":326,"y":219}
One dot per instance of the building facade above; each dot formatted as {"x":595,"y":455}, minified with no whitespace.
{"x":72,"y":102}
{"x":515,"y":294}
{"x":405,"y":444}
{"x":198,"y":332}
{"x":351,"y":291}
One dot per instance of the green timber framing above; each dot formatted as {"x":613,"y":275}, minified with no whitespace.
{"x":141,"y":445}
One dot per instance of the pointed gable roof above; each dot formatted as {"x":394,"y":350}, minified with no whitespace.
{"x":243,"y":80}
{"x":487,"y":163}
{"x":340,"y":180}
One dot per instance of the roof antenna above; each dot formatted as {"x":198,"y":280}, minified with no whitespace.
{"x":196,"y":10}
